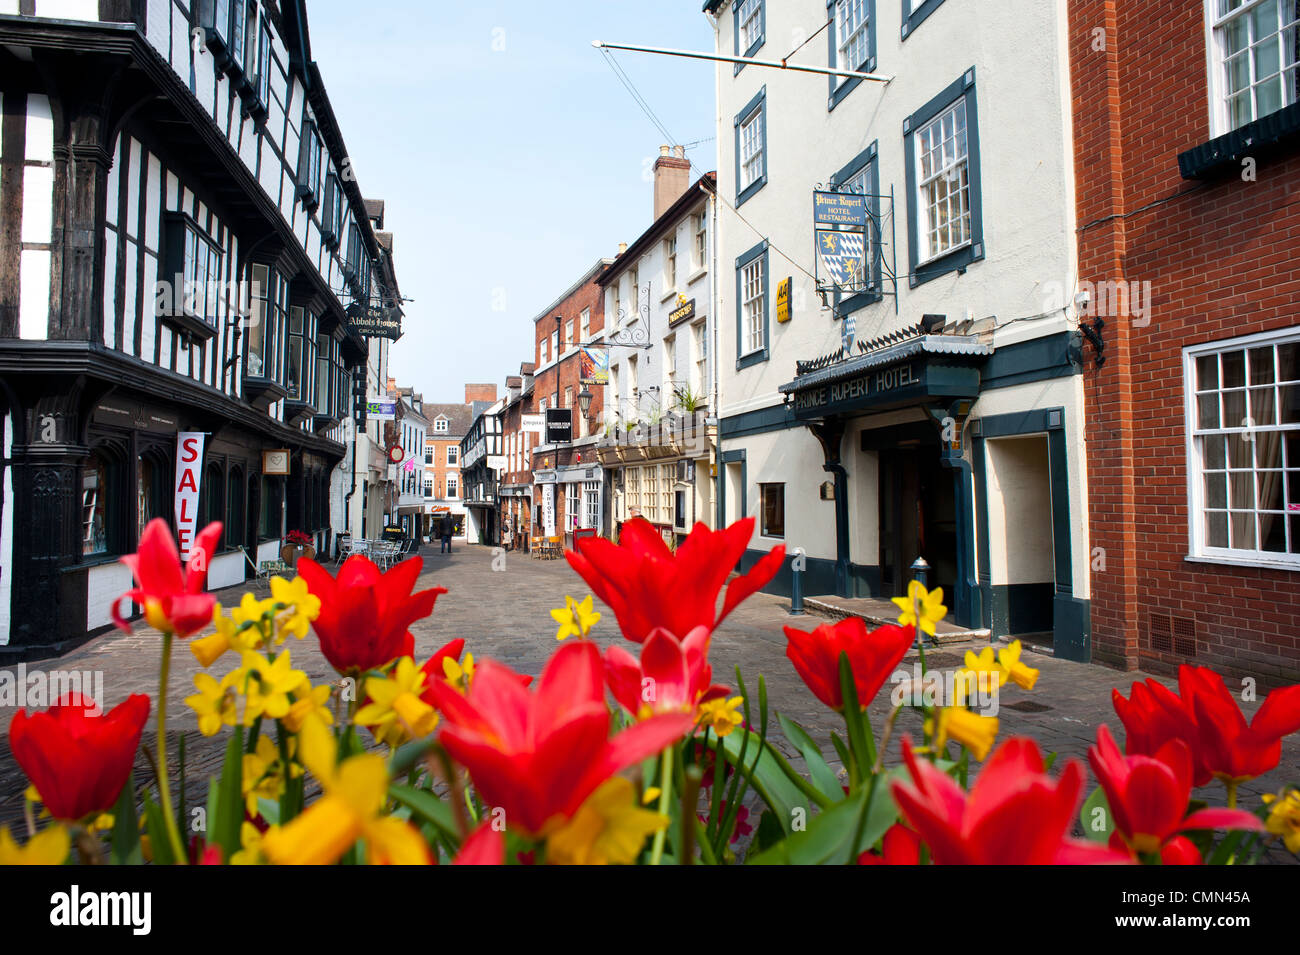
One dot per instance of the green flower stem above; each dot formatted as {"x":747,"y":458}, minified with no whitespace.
{"x":1232,"y":793}
{"x":164,"y":782}
{"x":665,"y":790}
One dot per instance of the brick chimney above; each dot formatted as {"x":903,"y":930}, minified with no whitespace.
{"x":486,"y":393}
{"x":672,"y":177}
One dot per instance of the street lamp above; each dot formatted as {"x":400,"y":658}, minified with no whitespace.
{"x":584,"y":400}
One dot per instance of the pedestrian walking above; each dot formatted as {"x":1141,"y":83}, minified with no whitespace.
{"x":446,"y":536}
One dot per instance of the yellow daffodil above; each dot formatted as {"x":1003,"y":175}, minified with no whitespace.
{"x":263,"y":774}
{"x":251,"y":610}
{"x":977,"y":733}
{"x":395,"y":711}
{"x":1021,"y":675}
{"x":267,"y":685}
{"x":48,"y":847}
{"x":575,"y":619}
{"x":651,"y":794}
{"x":214,"y":704}
{"x":1284,"y":818}
{"x":921,"y":608}
{"x":301,"y":606}
{"x":459,"y":674}
{"x":354,"y":795}
{"x":722,"y":715}
{"x":608,"y":829}
{"x":309,"y":703}
{"x":228,"y":636}
{"x":250,"y":845}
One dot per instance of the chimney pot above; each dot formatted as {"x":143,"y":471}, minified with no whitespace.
{"x":663,"y":150}
{"x":672,"y":178}
{"x":622,"y":247}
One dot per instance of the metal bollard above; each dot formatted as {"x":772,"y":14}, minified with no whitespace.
{"x":920,"y":573}
{"x":796,"y":588}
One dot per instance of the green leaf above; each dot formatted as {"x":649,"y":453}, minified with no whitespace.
{"x":763,"y":771}
{"x":159,"y":843}
{"x":821,"y":775}
{"x":409,"y":754}
{"x":1050,"y":761}
{"x":269,"y":810}
{"x":829,"y":836}
{"x":427,"y":806}
{"x":125,"y":848}
{"x":768,"y":833}
{"x":1097,"y":825}
{"x":223,"y":826}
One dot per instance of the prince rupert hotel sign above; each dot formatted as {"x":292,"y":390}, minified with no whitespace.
{"x":900,"y":383}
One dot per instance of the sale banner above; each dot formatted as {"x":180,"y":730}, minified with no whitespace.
{"x":189,"y":472}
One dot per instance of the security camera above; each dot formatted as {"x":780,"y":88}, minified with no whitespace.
{"x":1083,"y":299}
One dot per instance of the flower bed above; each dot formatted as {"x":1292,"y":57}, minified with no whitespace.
{"x":636,"y":755}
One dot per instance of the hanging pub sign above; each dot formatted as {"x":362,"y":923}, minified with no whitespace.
{"x":376,"y":321}
{"x":189,"y":464}
{"x":275,"y":461}
{"x":842,"y":256}
{"x":684,"y":312}
{"x":559,"y":425}
{"x":593,"y":365}
{"x":839,"y":208}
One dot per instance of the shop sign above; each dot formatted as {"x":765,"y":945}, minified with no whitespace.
{"x":684,"y":312}
{"x":189,"y":472}
{"x":275,"y":461}
{"x":783,"y":299}
{"x":548,"y":510}
{"x":559,"y":425}
{"x":839,"y":208}
{"x":877,"y":385}
{"x":532,"y":422}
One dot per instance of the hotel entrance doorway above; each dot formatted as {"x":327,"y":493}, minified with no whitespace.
{"x":918,"y":517}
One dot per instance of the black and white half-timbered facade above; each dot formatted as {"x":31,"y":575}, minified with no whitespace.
{"x":181,"y":238}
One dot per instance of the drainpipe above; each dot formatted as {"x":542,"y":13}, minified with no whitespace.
{"x":841,"y":527}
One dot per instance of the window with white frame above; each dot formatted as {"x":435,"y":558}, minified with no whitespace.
{"x":701,"y":240}
{"x":429,"y":453}
{"x":633,"y":390}
{"x":573,"y":504}
{"x":943,"y":182}
{"x":632,"y":495}
{"x":440,"y":425}
{"x":751,"y":148}
{"x":568,"y":333}
{"x":584,"y":324}
{"x":701,"y":344}
{"x":428,"y":487}
{"x":616,"y":309}
{"x":751,"y":305}
{"x":751,"y":23}
{"x":591,"y":499}
{"x":1243,"y":419}
{"x":453,"y":455}
{"x":634,"y":287}
{"x":452,"y":485}
{"x":851,"y":34}
{"x":1254,"y":57}
{"x":670,"y":262}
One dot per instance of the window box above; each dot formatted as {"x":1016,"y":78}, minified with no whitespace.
{"x":1243,"y":449}
{"x":1262,"y":139}
{"x":945,"y":228}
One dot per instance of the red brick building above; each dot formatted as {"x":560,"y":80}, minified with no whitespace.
{"x":568,"y":473}
{"x":1188,"y":180}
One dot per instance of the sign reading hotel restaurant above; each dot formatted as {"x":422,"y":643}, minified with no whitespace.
{"x":783,"y":299}
{"x":559,"y":425}
{"x":189,"y":464}
{"x":875,"y":386}
{"x":375,"y":321}
{"x":684,"y":312}
{"x":593,"y":365}
{"x":839,"y":208}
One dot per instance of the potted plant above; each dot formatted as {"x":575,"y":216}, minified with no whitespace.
{"x":297,"y":544}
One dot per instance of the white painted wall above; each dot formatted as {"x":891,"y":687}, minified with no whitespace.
{"x":105,"y":583}
{"x":227,"y":570}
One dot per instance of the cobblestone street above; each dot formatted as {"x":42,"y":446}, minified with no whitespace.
{"x":504,"y":614}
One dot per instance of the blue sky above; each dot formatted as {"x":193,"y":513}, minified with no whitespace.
{"x":508,"y":152}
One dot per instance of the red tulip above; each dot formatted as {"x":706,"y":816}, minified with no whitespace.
{"x":873,"y":656}
{"x":538,"y":753}
{"x":1148,"y":799}
{"x":79,"y":762}
{"x":434,"y":670}
{"x":1014,"y":814}
{"x":648,"y":586}
{"x":901,"y":846}
{"x":365,"y":616}
{"x":670,"y":677}
{"x":1152,"y":716}
{"x":172,"y":597}
{"x":1227,"y":747}
{"x":486,"y":845}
